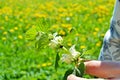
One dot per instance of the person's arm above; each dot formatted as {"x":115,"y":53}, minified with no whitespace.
{"x":103,"y":69}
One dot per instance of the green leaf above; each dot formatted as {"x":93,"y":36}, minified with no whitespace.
{"x":67,"y":73}
{"x":81,"y":68}
{"x":31,"y":33}
{"x":56,"y":61}
{"x":88,"y":54}
{"x":42,"y":41}
{"x":77,"y":72}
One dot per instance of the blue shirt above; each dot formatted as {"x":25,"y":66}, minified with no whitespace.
{"x":110,"y":50}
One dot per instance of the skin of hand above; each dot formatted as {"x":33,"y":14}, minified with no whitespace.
{"x":102,"y":69}
{"x":73,"y":77}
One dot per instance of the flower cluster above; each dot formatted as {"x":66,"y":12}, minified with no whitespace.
{"x":56,"y":41}
{"x":71,"y":55}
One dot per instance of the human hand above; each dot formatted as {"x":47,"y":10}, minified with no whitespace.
{"x":73,"y":77}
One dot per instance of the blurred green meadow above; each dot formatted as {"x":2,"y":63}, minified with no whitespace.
{"x":80,"y":22}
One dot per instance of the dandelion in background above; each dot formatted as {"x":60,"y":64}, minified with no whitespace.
{"x":97,"y":29}
{"x":11,"y":30}
{"x":20,"y":37}
{"x":82,"y":47}
{"x":16,"y":28}
{"x":4,"y":38}
{"x":5,"y":33}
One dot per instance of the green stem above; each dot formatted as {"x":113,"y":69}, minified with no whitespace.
{"x":64,"y":49}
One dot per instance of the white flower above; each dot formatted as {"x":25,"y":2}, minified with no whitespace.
{"x":66,"y":58}
{"x":73,"y":55}
{"x":55,"y":34}
{"x":68,"y":18}
{"x":73,"y":52}
{"x":56,"y":41}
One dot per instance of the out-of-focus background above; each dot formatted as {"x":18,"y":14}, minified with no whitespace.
{"x":84,"y":20}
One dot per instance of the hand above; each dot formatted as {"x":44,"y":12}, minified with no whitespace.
{"x":73,"y":77}
{"x":102,"y":69}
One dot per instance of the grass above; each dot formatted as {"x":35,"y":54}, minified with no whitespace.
{"x":81,"y":22}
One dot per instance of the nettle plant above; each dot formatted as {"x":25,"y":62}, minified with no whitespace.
{"x":43,"y":39}
{"x":71,"y":56}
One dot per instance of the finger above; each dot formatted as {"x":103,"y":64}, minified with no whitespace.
{"x":73,"y":77}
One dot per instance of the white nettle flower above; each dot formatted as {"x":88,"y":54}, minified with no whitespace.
{"x":66,"y":58}
{"x":56,"y":41}
{"x":55,"y":34}
{"x":73,"y":54}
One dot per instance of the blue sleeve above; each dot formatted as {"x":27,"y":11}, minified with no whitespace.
{"x":110,"y":50}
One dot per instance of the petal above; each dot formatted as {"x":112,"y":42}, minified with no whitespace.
{"x":73,"y":51}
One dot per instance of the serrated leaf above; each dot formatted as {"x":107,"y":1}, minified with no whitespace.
{"x":31,"y":33}
{"x":56,"y":61}
{"x":42,"y":41}
{"x":67,"y":73}
{"x":88,"y":54}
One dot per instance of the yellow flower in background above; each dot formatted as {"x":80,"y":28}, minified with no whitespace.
{"x":2,"y":28}
{"x":98,"y":43}
{"x":11,"y":30}
{"x":77,"y":34}
{"x":97,"y":29}
{"x":44,"y":64}
{"x":4,"y":33}
{"x":94,"y":33}
{"x":62,"y":9}
{"x":70,"y":14}
{"x":61,"y":32}
{"x":69,"y":44}
{"x":66,"y":25}
{"x":6,"y":18}
{"x":20,"y":36}
{"x":4,"y":38}
{"x":6,"y":10}
{"x":21,"y":20}
{"x":33,"y":26}
{"x":37,"y":15}
{"x":91,"y":3}
{"x":82,"y":47}
{"x":102,"y":34}
{"x":101,"y":10}
{"x":100,"y":20}
{"x":49,"y":64}
{"x":15,"y":28}
{"x":55,"y":26}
